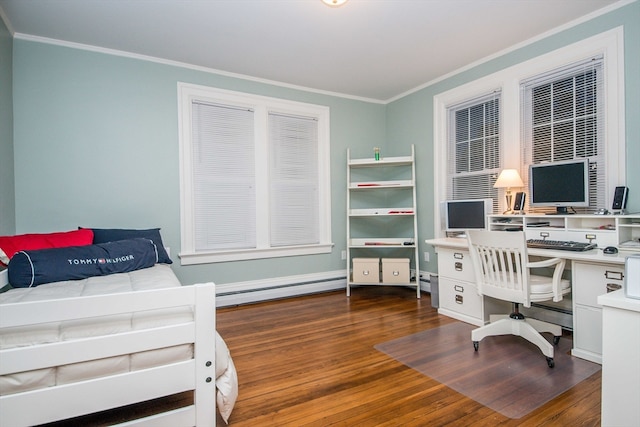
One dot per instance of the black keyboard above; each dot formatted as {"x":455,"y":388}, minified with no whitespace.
{"x":560,"y":245}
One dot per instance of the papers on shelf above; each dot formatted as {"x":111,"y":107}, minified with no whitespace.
{"x":538,"y":224}
{"x":630,"y":245}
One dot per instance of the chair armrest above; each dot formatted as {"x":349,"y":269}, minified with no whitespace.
{"x":544,"y":263}
{"x":557,"y":274}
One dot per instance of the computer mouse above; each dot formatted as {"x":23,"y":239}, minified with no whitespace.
{"x":610,"y":250}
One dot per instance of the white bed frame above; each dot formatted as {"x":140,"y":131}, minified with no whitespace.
{"x":90,"y":396}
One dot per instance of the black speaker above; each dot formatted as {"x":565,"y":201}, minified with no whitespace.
{"x":518,"y":205}
{"x":620,"y":198}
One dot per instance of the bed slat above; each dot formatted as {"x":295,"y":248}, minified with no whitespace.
{"x":55,"y":403}
{"x":84,"y":307}
{"x":78,"y":350}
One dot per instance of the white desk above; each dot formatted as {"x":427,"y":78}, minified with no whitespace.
{"x":621,"y":360}
{"x":592,"y":272}
{"x":594,"y":255}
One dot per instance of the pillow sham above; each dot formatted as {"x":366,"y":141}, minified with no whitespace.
{"x":32,"y":268}
{"x":104,"y":235}
{"x":9,"y":245}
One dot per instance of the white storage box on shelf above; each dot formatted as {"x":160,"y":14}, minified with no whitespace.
{"x":395,"y":270}
{"x":366,"y":270}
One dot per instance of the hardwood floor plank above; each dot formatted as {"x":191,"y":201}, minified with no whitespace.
{"x":311,"y":361}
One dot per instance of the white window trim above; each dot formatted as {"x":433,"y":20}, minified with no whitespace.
{"x":609,"y":43}
{"x":190,"y":92}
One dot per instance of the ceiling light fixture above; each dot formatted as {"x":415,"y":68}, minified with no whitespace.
{"x":334,"y":3}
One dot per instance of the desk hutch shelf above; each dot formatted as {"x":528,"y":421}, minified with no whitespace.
{"x":622,"y":231}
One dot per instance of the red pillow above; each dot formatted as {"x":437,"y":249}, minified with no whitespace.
{"x":9,"y":245}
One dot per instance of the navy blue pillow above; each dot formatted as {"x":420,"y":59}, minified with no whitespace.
{"x":33,"y":268}
{"x":104,"y":235}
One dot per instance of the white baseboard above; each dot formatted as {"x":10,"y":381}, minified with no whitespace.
{"x":229,"y":294}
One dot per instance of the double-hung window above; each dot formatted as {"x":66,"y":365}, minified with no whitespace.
{"x":254,"y":176}
{"x":566,"y":104}
{"x":563,"y":119}
{"x":473,"y":154}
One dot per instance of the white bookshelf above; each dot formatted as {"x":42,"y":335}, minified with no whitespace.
{"x":382,"y":216}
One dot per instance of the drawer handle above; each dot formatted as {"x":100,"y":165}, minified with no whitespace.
{"x":458,"y":288}
{"x":458,"y":255}
{"x":396,"y":273}
{"x":613,"y":287}
{"x":458,"y":266}
{"x":365,"y":273}
{"x":615,"y":275}
{"x":459,"y":299}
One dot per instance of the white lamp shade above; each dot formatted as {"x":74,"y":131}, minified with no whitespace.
{"x":508,"y":178}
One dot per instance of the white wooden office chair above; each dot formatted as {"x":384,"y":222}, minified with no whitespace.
{"x":502,"y":270}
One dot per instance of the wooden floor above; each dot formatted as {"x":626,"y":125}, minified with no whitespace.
{"x":310,"y":361}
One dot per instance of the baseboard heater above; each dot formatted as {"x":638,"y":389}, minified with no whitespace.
{"x":553,"y":308}
{"x":283,"y":287}
{"x":557,"y":314}
{"x":230,"y":294}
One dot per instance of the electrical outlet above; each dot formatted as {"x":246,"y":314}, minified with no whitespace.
{"x":426,"y":257}
{"x":344,"y":255}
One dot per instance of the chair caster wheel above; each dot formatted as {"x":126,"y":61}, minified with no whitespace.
{"x":475,"y":345}
{"x":550,"y":362}
{"x":556,"y":340}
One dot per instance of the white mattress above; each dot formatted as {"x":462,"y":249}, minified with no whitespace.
{"x":159,"y":276}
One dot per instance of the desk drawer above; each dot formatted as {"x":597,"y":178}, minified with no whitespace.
{"x":591,"y":280}
{"x":460,"y":297}
{"x":587,"y":332}
{"x":455,"y":264}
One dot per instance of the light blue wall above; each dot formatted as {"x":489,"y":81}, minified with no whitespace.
{"x":411,"y":118}
{"x":96,"y":141}
{"x":7,"y":198}
{"x":96,"y":145}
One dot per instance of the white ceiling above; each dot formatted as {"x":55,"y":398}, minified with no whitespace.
{"x":370,"y":49}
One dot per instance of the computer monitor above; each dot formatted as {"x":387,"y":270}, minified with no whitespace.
{"x":559,"y":184}
{"x":461,"y":215}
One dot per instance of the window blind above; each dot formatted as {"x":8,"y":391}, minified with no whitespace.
{"x":473,"y":160}
{"x":223,"y":177}
{"x":563,"y":119}
{"x":294,"y":180}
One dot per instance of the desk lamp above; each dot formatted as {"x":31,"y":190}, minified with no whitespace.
{"x":508,"y":178}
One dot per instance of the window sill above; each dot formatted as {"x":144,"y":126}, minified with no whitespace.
{"x":190,"y":258}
